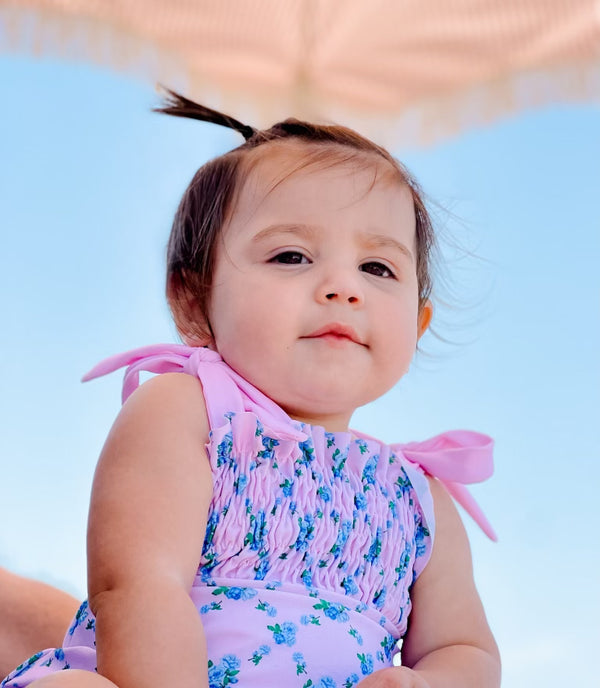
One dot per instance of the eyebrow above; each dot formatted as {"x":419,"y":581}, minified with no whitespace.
{"x":385,"y":241}
{"x":370,"y":239}
{"x":296,"y":229}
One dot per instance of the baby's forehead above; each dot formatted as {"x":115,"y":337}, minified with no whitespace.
{"x":304,"y":184}
{"x":271,"y":163}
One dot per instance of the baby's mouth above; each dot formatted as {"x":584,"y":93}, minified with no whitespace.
{"x":336,"y":332}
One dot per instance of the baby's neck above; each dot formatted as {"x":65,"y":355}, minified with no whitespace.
{"x":331,"y":423}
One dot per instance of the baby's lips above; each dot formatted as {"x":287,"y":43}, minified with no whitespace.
{"x":336,"y":329}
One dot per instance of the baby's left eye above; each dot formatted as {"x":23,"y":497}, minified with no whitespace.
{"x":289,"y":258}
{"x":377,"y":269}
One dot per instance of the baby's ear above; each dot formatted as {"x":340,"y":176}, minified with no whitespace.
{"x":191,"y":323}
{"x":424,"y":318}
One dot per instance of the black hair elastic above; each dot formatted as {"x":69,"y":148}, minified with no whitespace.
{"x":180,"y":106}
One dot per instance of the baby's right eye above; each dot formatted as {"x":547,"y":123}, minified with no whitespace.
{"x":289,"y":258}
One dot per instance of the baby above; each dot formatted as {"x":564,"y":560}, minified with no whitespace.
{"x":239,"y":530}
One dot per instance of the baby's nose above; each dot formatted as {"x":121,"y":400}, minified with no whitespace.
{"x":341,"y":286}
{"x":350,"y":297}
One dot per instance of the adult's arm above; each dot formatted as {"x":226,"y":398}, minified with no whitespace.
{"x":33,"y":616}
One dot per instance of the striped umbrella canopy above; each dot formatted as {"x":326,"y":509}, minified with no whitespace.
{"x":400,"y":70}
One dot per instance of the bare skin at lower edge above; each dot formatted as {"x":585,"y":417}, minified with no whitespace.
{"x":34,"y":616}
{"x":74,"y":678}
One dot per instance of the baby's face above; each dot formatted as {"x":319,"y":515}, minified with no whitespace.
{"x":315,"y":296}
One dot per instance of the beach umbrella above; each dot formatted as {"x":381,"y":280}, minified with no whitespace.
{"x":400,"y":70}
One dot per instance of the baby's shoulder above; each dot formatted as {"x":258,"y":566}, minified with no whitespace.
{"x":168,"y":401}
{"x":176,"y":388}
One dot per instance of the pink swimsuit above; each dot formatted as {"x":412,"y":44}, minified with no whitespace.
{"x":313,"y":538}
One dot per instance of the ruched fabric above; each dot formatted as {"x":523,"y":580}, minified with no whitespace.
{"x":313,"y":539}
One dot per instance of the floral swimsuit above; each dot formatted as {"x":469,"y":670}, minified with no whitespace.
{"x":313,"y":539}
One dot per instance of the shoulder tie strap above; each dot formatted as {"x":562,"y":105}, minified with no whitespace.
{"x":224,"y":390}
{"x":456,"y":458}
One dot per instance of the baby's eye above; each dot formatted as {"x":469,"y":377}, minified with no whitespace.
{"x":377,"y":269}
{"x":289,"y":258}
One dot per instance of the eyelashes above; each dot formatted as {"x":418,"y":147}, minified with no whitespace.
{"x":371,"y":267}
{"x":290,"y":258}
{"x":377,"y":269}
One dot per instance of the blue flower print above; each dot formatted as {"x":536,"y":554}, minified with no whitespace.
{"x":306,"y":577}
{"x":216,"y":675}
{"x":327,"y":682}
{"x":212,"y":607}
{"x":285,"y":633}
{"x":257,"y":655}
{"x":351,"y":681}
{"x":362,"y":445}
{"x":336,"y":612}
{"x":342,"y":537}
{"x":404,"y":562}
{"x":324,"y":493}
{"x":224,"y":451}
{"x":205,"y":571}
{"x":80,"y":617}
{"x":333,"y":611}
{"x":22,"y":668}
{"x":379,"y":598}
{"x":262,"y":568}
{"x":339,"y":461}
{"x":266,"y":607}
{"x":350,"y":587}
{"x":366,"y":663}
{"x":355,"y":634}
{"x":211,"y":527}
{"x":307,"y":619}
{"x":308,"y":452}
{"x":273,"y":585}
{"x":222,"y":674}
{"x":402,"y":485}
{"x":375,"y":549}
{"x":368,"y":476}
{"x":240,"y":484}
{"x":393,"y":509}
{"x":231,"y":662}
{"x":306,"y":534}
{"x":298,"y":657}
{"x":257,"y":532}
{"x":276,"y":505}
{"x":420,"y":534}
{"x":269,"y":443}
{"x":287,"y":486}
{"x":360,"y":501}
{"x":235,"y":593}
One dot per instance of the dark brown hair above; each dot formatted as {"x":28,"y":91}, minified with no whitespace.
{"x":210,"y":196}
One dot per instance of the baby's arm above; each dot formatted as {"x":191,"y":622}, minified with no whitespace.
{"x":148,"y":512}
{"x":449,"y":643}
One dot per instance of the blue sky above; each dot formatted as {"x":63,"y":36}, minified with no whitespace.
{"x":89,"y":182}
